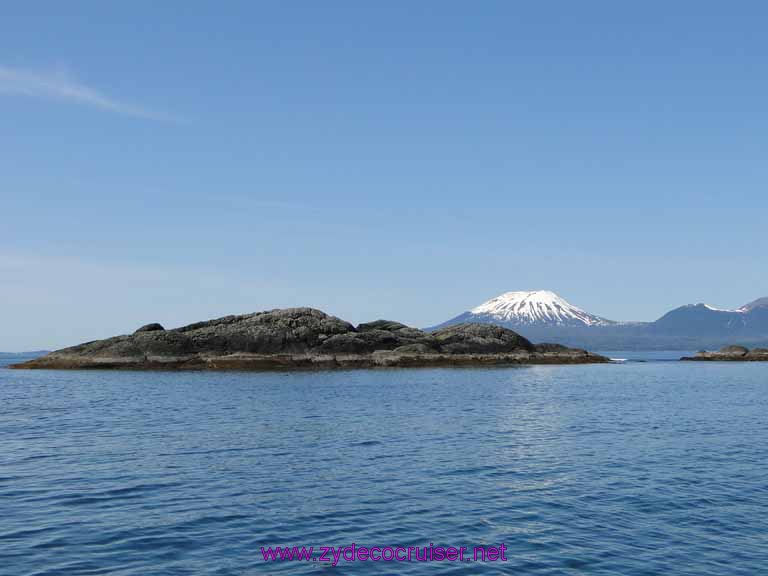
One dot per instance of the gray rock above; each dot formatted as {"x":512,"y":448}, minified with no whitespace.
{"x":732,"y":354}
{"x":154,"y":327}
{"x":360,"y":342}
{"x":405,"y":334}
{"x":388,"y":325}
{"x":734,"y":351}
{"x":480,"y":339}
{"x":415,"y":349}
{"x":292,"y":330}
{"x":305,"y":337}
{"x":548,"y":347}
{"x":372,"y":339}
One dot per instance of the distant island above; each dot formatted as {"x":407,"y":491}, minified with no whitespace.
{"x":306,"y":338}
{"x":732,"y":354}
{"x":5,"y":355}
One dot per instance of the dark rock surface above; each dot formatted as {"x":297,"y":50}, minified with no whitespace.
{"x":480,"y":339}
{"x":732,"y":354}
{"x":734,"y":350}
{"x":548,"y":347}
{"x":154,"y":327}
{"x":389,"y":325}
{"x":305,"y":337}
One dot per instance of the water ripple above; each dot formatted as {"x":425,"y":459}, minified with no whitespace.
{"x":635,"y":469}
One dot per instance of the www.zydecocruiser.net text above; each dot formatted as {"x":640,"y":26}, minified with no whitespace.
{"x":356,"y":553}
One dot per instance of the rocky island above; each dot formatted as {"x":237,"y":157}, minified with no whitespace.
{"x":296,"y":338}
{"x":732,"y":354}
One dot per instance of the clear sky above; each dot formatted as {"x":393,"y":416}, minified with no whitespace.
{"x":176,"y":161}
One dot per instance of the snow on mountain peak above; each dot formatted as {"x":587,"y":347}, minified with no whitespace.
{"x":715,"y":309}
{"x":759,"y":303}
{"x":537,"y":307}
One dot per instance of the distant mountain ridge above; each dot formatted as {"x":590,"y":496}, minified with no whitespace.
{"x":545,"y":316}
{"x":749,"y":320}
{"x":25,"y":354}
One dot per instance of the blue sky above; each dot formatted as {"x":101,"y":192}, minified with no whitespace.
{"x":177,"y":161}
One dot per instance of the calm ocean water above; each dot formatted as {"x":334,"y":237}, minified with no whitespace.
{"x":636,"y":468}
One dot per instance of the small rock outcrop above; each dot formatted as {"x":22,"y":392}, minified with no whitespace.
{"x":480,"y":339}
{"x":379,"y":335}
{"x":388,"y":325}
{"x":732,"y":354}
{"x":154,"y":327}
{"x":734,"y":351}
{"x":547,"y":347}
{"x":306,"y":338}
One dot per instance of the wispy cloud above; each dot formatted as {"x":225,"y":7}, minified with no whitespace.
{"x":60,"y":85}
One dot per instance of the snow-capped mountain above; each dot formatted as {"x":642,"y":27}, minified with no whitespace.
{"x":539,"y":307}
{"x":543,"y":316}
{"x":530,"y":311}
